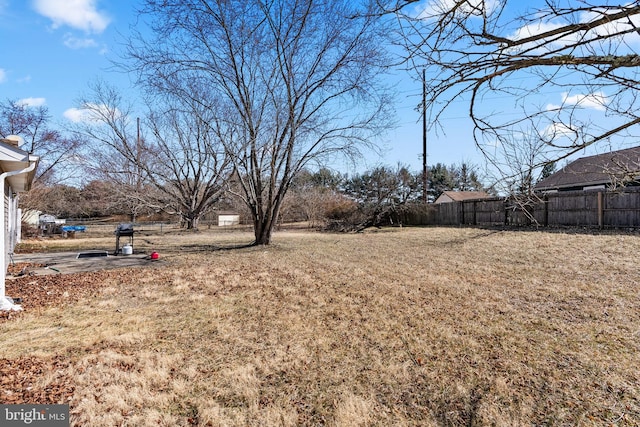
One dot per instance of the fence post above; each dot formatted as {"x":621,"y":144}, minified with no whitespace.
{"x":600,"y":210}
{"x":506,"y":212}
{"x":545,"y":200}
{"x":475,"y":206}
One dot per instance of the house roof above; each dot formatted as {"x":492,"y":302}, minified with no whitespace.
{"x":614,"y":167}
{"x":12,"y":158}
{"x":459,"y":196}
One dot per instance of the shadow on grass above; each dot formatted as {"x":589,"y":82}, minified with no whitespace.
{"x":583,"y":230}
{"x":468,"y":239}
{"x":215,"y":248}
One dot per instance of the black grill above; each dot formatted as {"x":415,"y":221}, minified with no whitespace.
{"x":123,"y":230}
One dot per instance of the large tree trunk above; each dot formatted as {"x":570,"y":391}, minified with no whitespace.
{"x":191,"y":222}
{"x":262,"y":230}
{"x":264,"y":223}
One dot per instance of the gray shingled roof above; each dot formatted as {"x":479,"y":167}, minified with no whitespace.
{"x":608,"y":168}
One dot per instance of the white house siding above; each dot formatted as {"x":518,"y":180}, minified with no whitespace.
{"x":7,"y":216}
{"x":17,"y":169}
{"x":18,"y":225}
{"x":14,"y":221}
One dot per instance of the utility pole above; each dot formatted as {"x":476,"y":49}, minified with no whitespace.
{"x":138,"y":176}
{"x":425,"y":185}
{"x":137,"y":166}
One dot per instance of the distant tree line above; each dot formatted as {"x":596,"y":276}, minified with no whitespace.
{"x":371,"y":198}
{"x":323,"y":198}
{"x":240,"y":99}
{"x":183,"y":180}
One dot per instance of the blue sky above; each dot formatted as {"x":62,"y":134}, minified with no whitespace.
{"x":52,"y":50}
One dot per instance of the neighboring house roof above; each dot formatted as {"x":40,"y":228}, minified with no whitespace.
{"x":459,"y":196}
{"x":616,"y":167}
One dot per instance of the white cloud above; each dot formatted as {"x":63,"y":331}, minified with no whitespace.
{"x":79,"y":14}
{"x":77,"y":115}
{"x":534,"y":30}
{"x":596,"y":101}
{"x":556,"y":131}
{"x":614,"y":27}
{"x":93,"y":113}
{"x":77,"y":43}
{"x":560,"y":134}
{"x":32,"y":102}
{"x":3,"y":75}
{"x":619,"y":27}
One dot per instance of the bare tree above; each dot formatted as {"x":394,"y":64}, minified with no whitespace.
{"x":296,"y":82}
{"x":56,"y":150}
{"x":518,"y":163}
{"x":479,"y":51}
{"x":191,"y":163}
{"x":113,"y":149}
{"x":178,"y":167}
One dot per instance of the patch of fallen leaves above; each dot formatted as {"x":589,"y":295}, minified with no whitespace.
{"x":37,"y":292}
{"x":31,"y":379}
{"x":35,"y":380}
{"x":21,"y":268}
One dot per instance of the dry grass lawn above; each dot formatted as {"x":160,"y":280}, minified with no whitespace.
{"x":396,"y":327}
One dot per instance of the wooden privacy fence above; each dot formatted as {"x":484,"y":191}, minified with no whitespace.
{"x":602,"y":209}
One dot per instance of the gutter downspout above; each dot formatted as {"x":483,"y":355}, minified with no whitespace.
{"x":6,"y":304}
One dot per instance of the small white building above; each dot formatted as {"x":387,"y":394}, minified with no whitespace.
{"x":17,"y":170}
{"x":227,"y":219}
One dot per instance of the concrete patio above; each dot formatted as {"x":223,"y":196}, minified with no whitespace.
{"x":68,"y":262}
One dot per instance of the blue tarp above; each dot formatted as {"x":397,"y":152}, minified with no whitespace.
{"x":80,"y":228}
